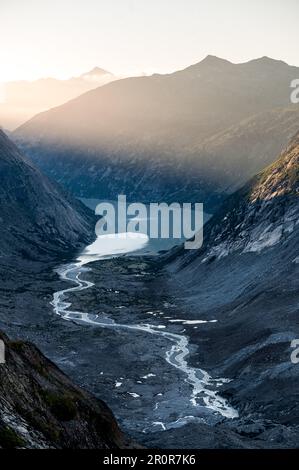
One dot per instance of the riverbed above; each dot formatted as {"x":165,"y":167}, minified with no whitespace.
{"x":158,"y":389}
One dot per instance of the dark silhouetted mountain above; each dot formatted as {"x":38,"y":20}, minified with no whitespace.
{"x":204,"y":130}
{"x":40,"y":226}
{"x":41,"y":408}
{"x":38,"y":219}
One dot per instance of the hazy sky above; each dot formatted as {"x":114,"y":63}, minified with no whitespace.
{"x":62,"y":38}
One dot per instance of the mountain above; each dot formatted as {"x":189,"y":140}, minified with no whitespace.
{"x":40,"y":226}
{"x":246,"y":148}
{"x":159,"y":133}
{"x":245,"y":276}
{"x":41,"y":408}
{"x":24,"y":99}
{"x":38,"y":219}
{"x":259,"y":215}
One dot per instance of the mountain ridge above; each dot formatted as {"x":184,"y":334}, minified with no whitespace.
{"x":37,"y":216}
{"x":26,"y":98}
{"x":245,"y":278}
{"x":279,"y":180}
{"x":40,"y":226}
{"x":147,"y":127}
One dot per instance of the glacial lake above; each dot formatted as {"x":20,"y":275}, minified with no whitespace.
{"x":139,"y":243}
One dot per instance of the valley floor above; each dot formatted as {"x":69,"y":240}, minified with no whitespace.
{"x":128,"y":369}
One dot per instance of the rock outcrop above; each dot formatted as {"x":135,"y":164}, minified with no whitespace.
{"x":41,"y":408}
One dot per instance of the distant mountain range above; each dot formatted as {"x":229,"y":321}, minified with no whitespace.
{"x":24,"y":99}
{"x":196,"y":134}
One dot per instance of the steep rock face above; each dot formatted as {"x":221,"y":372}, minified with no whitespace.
{"x":246,"y":277}
{"x":260,"y":215}
{"x":37,"y":217}
{"x":40,"y":224}
{"x":205,"y":130}
{"x":41,"y":408}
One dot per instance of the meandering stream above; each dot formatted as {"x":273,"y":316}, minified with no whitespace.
{"x":203,"y":388}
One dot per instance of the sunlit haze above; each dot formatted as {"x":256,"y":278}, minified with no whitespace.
{"x":63,"y":38}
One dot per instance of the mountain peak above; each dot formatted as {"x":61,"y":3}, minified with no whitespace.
{"x":96,"y":71}
{"x":266,"y":61}
{"x":210,"y":61}
{"x":214,"y":61}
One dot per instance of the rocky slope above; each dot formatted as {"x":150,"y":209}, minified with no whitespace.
{"x":260,"y":215}
{"x":40,"y":225}
{"x":41,"y":408}
{"x":38,"y":219}
{"x":205,"y":130}
{"x":246,"y":277}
